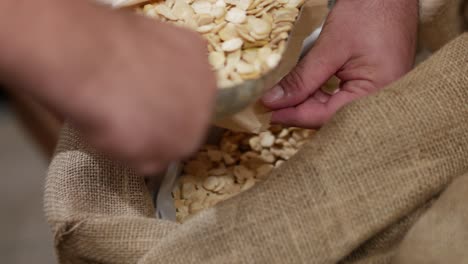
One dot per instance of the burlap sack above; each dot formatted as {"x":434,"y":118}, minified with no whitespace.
{"x":349,"y":196}
{"x":441,"y":235}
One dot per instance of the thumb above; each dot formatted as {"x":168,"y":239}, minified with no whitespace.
{"x":322,"y":62}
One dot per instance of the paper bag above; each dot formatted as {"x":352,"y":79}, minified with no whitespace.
{"x":256,"y":118}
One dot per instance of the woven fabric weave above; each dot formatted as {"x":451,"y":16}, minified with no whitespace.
{"x":349,"y":196}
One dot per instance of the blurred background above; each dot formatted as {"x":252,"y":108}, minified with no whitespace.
{"x":25,"y":235}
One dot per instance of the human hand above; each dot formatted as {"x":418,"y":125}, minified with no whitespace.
{"x":139,"y":90}
{"x":366,"y":44}
{"x":152,"y":105}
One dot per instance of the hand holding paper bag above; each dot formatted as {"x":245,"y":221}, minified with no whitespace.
{"x":365,"y":52}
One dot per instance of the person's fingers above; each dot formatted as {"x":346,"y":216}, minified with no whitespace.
{"x":309,"y":75}
{"x":148,"y":168}
{"x":318,"y":109}
{"x":310,"y":114}
{"x":321,"y":96}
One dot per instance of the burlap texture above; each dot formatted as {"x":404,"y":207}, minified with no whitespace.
{"x":349,"y":196}
{"x":441,"y":235}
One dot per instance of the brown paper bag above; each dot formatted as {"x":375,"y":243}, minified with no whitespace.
{"x":256,"y":118}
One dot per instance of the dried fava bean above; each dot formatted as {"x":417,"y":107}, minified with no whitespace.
{"x":220,"y":3}
{"x":267,"y":156}
{"x":281,"y":46}
{"x":236,"y":15}
{"x":235,"y":77}
{"x":254,"y":143}
{"x":283,"y":133}
{"x":245,"y":33}
{"x":165,"y":11}
{"x":217,"y":59}
{"x":182,"y":10}
{"x":278,"y":30}
{"x":219,"y":187}
{"x":267,"y":139}
{"x":202,"y":7}
{"x":147,"y":7}
{"x":280,"y":141}
{"x":148,"y":10}
{"x":204,"y":19}
{"x":256,"y":44}
{"x":206,"y":28}
{"x":285,"y":14}
{"x":199,"y":195}
{"x":273,"y":60}
{"x":259,"y":27}
{"x":218,"y":11}
{"x":259,"y":37}
{"x":278,"y":163}
{"x":244,"y":4}
{"x":255,"y":3}
{"x":287,"y":153}
{"x":249,"y":55}
{"x":242,"y":173}
{"x":252,"y":75}
{"x":216,"y":29}
{"x":267,"y":9}
{"x":296,"y":135}
{"x":227,"y":184}
{"x":265,"y":3}
{"x":232,"y":59}
{"x":280,"y":37}
{"x":188,"y":189}
{"x":253,"y":12}
{"x":264,"y":52}
{"x":210,"y":183}
{"x":292,"y":141}
{"x":216,"y":47}
{"x":244,"y":68}
{"x":232,"y":45}
{"x":228,"y":32}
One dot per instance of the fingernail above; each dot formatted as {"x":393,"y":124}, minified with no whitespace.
{"x":274,"y":94}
